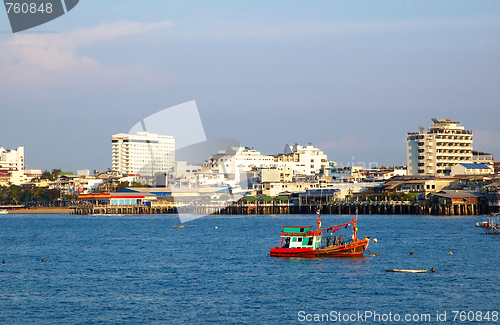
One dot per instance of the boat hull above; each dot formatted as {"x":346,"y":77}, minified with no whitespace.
{"x":353,"y":249}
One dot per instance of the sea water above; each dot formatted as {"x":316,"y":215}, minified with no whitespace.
{"x":138,"y":269}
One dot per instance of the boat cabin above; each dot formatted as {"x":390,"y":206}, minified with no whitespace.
{"x":300,"y":237}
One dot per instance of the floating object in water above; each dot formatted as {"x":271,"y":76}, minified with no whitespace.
{"x":44,"y":260}
{"x":374,"y":240}
{"x":178,"y":226}
{"x":215,"y":227}
{"x":450,"y":253}
{"x":408,"y":271}
{"x":412,"y":253}
{"x":3,"y":261}
{"x":432,"y":270}
{"x":374,"y":254}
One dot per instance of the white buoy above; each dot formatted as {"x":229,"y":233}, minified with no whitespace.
{"x":374,"y":240}
{"x":215,"y":227}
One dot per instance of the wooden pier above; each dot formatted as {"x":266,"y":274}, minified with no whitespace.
{"x":259,"y":208}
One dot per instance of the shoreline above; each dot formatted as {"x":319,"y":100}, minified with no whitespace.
{"x":41,"y":210}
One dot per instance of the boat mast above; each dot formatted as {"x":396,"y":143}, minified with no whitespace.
{"x":319,"y":218}
{"x":354,"y":228}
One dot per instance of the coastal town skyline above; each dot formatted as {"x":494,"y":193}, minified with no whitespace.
{"x":251,"y":161}
{"x":351,"y":81}
{"x":361,"y":164}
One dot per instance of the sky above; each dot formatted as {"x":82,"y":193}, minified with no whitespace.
{"x":350,"y":77}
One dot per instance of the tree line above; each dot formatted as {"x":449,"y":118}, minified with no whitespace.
{"x":15,"y":194}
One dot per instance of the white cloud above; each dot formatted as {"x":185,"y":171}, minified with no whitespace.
{"x":244,"y":30}
{"x":50,"y":60}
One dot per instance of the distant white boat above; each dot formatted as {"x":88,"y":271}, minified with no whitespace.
{"x":408,"y":271}
{"x":3,"y":211}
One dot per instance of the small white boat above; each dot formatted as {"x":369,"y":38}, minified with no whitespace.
{"x":3,"y":211}
{"x":408,"y":271}
{"x":492,"y":226}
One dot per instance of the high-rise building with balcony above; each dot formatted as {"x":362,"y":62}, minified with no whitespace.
{"x":12,"y":166}
{"x":12,"y":159}
{"x":435,"y":151}
{"x":143,"y":153}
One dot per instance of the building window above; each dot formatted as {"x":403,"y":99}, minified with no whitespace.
{"x":420,"y":171}
{"x":420,"y":143}
{"x":420,"y":157}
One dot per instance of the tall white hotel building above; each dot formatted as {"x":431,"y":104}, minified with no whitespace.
{"x":143,"y":153}
{"x":434,"y":152}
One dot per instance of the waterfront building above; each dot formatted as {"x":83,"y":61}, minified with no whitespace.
{"x":304,"y":160}
{"x":472,"y":169}
{"x":300,"y":160}
{"x":435,"y":151}
{"x":143,"y":153}
{"x":427,"y":184}
{"x":479,"y":157}
{"x":344,"y":174}
{"x":276,"y":188}
{"x":182,"y":169}
{"x":242,"y":159}
{"x":70,"y":184}
{"x":12,"y":159}
{"x":283,"y":174}
{"x":12,"y":166}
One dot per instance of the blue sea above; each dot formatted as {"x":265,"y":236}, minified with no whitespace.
{"x":138,"y":269}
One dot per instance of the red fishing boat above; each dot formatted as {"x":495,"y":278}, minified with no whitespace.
{"x":299,"y":241}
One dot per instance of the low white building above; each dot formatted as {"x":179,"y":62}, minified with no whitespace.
{"x":281,"y":174}
{"x":472,"y":169}
{"x":239,"y":160}
{"x":185,"y":170}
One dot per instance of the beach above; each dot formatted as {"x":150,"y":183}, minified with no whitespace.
{"x":42,"y":210}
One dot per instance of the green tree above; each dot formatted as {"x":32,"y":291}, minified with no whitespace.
{"x":16,"y":194}
{"x":4,"y":194}
{"x":47,"y":175}
{"x":53,"y":194}
{"x":51,"y":175}
{"x":56,"y":173}
{"x":122,"y":185}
